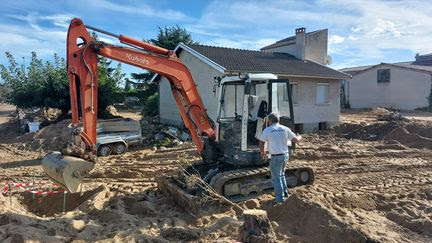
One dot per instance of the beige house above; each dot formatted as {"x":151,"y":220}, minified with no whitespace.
{"x":315,"y":87}
{"x":403,"y":85}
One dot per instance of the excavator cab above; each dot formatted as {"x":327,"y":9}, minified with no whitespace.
{"x":244,"y":105}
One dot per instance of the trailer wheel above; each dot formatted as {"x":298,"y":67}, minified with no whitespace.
{"x":119,"y":148}
{"x":104,"y":150}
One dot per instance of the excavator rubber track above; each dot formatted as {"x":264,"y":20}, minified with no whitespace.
{"x":236,"y":185}
{"x":243,"y":184}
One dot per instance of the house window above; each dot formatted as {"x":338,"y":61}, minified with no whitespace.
{"x":322,"y":93}
{"x":294,"y":93}
{"x":383,"y":75}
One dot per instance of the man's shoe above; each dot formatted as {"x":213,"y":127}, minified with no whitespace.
{"x":274,"y":204}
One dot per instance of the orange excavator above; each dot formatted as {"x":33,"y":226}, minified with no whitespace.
{"x":231,"y":162}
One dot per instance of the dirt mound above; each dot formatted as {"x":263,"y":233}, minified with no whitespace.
{"x":306,"y":221}
{"x":51,"y":137}
{"x":406,"y":133}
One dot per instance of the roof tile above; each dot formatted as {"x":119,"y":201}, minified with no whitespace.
{"x":239,"y":60}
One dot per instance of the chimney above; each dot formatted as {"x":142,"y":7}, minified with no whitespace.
{"x":300,"y":42}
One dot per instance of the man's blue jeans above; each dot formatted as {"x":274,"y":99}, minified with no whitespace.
{"x":277,"y":169}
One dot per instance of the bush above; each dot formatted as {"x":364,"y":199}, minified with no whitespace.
{"x":150,"y":108}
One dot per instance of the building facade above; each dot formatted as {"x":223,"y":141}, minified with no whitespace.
{"x":403,"y":85}
{"x":315,"y":87}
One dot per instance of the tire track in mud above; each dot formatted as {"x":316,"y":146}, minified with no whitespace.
{"x":393,"y":191}
{"x":140,"y":168}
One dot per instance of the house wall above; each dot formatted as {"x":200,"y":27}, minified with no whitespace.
{"x":307,"y":111}
{"x":203,"y":75}
{"x":407,"y":89}
{"x":315,"y":47}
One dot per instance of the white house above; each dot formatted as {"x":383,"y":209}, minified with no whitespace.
{"x":402,"y":85}
{"x":311,"y":46}
{"x":315,"y":87}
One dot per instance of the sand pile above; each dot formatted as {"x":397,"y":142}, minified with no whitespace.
{"x":49,"y":138}
{"x":303,"y":220}
{"x":406,"y":133}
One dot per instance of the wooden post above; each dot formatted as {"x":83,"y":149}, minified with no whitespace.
{"x":10,"y":194}
{"x":64,"y":201}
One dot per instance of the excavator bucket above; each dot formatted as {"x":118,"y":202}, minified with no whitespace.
{"x":67,"y":171}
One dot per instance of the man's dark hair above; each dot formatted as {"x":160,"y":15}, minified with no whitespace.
{"x":274,"y":117}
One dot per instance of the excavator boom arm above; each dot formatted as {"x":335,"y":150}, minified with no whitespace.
{"x":82,"y":73}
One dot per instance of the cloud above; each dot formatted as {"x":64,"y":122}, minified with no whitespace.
{"x":336,"y":39}
{"x":28,"y":35}
{"x":142,"y":9}
{"x":59,"y":20}
{"x":245,"y":44}
{"x":384,"y":25}
{"x":361,"y":31}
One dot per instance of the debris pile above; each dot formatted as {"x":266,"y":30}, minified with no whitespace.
{"x":391,"y":116}
{"x":36,"y":117}
{"x":161,"y":135}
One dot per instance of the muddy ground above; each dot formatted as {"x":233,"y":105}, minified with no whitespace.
{"x":373,"y":184}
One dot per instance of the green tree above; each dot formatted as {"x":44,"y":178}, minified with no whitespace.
{"x":109,"y":80}
{"x":169,"y":37}
{"x":41,"y":85}
{"x":46,"y":85}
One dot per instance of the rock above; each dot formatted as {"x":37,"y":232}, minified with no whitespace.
{"x":112,"y":110}
{"x":256,"y":227}
{"x":252,"y":204}
{"x":78,"y":225}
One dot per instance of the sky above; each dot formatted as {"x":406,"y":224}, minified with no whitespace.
{"x":361,"y":32}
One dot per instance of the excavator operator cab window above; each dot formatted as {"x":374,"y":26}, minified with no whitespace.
{"x":230,"y":114}
{"x":281,"y":100}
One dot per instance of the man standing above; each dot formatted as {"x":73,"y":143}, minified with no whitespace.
{"x":277,"y":137}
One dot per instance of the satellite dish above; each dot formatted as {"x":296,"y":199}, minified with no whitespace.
{"x":328,"y":60}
